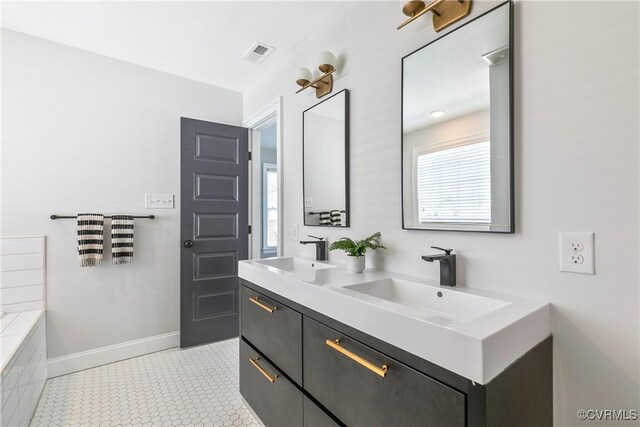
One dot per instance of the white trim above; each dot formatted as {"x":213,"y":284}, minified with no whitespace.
{"x":259,"y":119}
{"x":113,"y":353}
{"x":451,"y":143}
{"x":255,"y":203}
{"x":255,"y":122}
{"x":26,"y":236}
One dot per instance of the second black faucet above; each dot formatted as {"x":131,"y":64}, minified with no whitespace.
{"x":447,"y":265}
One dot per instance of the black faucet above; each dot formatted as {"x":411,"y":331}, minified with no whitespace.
{"x":447,"y":266}
{"x":321,"y":247}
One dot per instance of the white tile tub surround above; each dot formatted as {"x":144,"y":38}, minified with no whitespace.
{"x":23,"y":348}
{"x":24,"y":369}
{"x":22,"y":273}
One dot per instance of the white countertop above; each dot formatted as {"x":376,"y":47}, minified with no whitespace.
{"x":478,"y":349}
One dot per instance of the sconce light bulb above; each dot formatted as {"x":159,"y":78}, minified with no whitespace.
{"x":327,"y":61}
{"x":304,"y":76}
{"x":437,"y":113}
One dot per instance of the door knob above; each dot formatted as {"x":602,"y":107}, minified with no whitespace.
{"x":188,"y":243}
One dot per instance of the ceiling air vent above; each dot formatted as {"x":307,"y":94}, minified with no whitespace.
{"x":257,"y":53}
{"x":497,"y":56}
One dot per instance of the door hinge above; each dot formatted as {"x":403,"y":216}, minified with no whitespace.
{"x":249,"y":229}
{"x":249,"y":155}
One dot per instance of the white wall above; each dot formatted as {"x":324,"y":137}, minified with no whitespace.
{"x":83,"y":132}
{"x":268,"y":156}
{"x":576,"y":127}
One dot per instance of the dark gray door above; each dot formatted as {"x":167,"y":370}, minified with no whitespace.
{"x":213,"y":229}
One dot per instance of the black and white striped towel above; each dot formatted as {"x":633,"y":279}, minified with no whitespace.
{"x":336,"y":217}
{"x":90,"y":239}
{"x":325,"y":218}
{"x":122,"y":239}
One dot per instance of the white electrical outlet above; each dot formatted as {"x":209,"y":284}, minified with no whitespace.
{"x":576,"y":258}
{"x":158,"y":201}
{"x":577,"y":253}
{"x":577,"y":246}
{"x":308,"y":202}
{"x":294,"y":234}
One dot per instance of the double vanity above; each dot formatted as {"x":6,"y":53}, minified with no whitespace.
{"x":321,"y":346}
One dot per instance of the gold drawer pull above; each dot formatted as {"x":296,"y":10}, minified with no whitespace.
{"x":254,"y":362}
{"x":335,"y":344}
{"x":256,"y":301}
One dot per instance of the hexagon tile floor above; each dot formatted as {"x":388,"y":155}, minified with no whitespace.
{"x":193,"y":387}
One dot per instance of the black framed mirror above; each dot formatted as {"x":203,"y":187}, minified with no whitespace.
{"x":457,"y":129}
{"x":325,"y":162}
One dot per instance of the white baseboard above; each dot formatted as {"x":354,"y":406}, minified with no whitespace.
{"x":113,"y":353}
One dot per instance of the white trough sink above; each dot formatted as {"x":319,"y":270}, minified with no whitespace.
{"x":294,"y":264}
{"x":437,"y":304}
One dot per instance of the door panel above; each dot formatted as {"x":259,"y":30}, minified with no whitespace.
{"x":213,"y":229}
{"x":215,"y":265}
{"x":216,"y":148}
{"x":216,"y":226}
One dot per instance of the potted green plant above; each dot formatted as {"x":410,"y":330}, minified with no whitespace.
{"x":356,"y":249}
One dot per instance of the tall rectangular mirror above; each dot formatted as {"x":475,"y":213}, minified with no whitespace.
{"x":325,"y":158}
{"x":457,"y":132}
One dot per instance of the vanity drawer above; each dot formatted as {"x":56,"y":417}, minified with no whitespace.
{"x":349,"y":379}
{"x":274,"y":329}
{"x":274,"y":398}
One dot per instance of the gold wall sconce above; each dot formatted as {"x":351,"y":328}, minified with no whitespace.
{"x":322,"y":84}
{"x":445,"y":12}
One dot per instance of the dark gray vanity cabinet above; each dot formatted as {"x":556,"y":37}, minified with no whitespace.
{"x":271,"y":363}
{"x":273,"y":328}
{"x":276,"y":400}
{"x":313,"y":416}
{"x":299,"y":367}
{"x":359,"y":396}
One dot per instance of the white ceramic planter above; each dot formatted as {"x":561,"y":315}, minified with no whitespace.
{"x":355,"y":264}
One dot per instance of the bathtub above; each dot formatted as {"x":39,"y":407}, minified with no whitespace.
{"x":24,"y":370}
{"x":23,"y":345}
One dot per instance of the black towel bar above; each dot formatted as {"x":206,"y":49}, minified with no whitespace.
{"x":106,"y":216}
{"x":318,"y":213}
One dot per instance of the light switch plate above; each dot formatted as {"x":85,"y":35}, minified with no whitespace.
{"x":577,"y":253}
{"x":158,"y":201}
